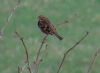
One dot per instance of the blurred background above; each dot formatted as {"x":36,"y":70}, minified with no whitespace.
{"x":72,"y":18}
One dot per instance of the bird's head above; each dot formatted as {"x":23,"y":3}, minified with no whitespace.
{"x":41,"y":17}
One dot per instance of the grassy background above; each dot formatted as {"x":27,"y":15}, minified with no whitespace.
{"x":82,"y":16}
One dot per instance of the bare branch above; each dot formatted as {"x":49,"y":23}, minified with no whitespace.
{"x":69,"y":50}
{"x":23,"y":68}
{"x":18,"y":69}
{"x":37,"y":61}
{"x":12,"y":12}
{"x":26,"y":51}
{"x":93,"y":61}
{"x":9,"y":17}
{"x":41,"y":47}
{"x":46,"y":50}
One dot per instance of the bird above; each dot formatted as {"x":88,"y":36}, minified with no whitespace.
{"x":47,"y":27}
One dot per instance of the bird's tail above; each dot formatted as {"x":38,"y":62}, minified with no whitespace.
{"x":58,"y":36}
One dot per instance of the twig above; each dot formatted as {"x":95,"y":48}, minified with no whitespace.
{"x":18,"y":69}
{"x":23,"y":68}
{"x":1,"y":33}
{"x":27,"y":57}
{"x":37,"y":61}
{"x":13,"y":11}
{"x":69,"y":20}
{"x":69,"y":50}
{"x":41,"y":47}
{"x":93,"y":61}
{"x":10,"y":16}
{"x":46,"y":49}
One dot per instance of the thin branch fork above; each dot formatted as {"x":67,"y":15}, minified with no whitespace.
{"x":10,"y":16}
{"x":69,"y":50}
{"x":93,"y":60}
{"x":26,"y":51}
{"x":41,"y":47}
{"x":37,"y":61}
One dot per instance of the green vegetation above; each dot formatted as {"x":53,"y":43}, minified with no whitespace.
{"x":82,"y":16}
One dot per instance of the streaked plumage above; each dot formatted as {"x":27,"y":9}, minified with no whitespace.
{"x":46,"y":27}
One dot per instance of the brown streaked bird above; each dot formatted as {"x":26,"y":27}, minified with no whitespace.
{"x":46,"y":27}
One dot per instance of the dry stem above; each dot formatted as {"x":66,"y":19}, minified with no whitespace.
{"x":18,"y":69}
{"x":37,"y":61}
{"x":93,"y":60}
{"x":10,"y":16}
{"x":69,"y":50}
{"x":26,"y":52}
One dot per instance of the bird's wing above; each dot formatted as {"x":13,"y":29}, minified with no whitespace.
{"x":52,"y":27}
